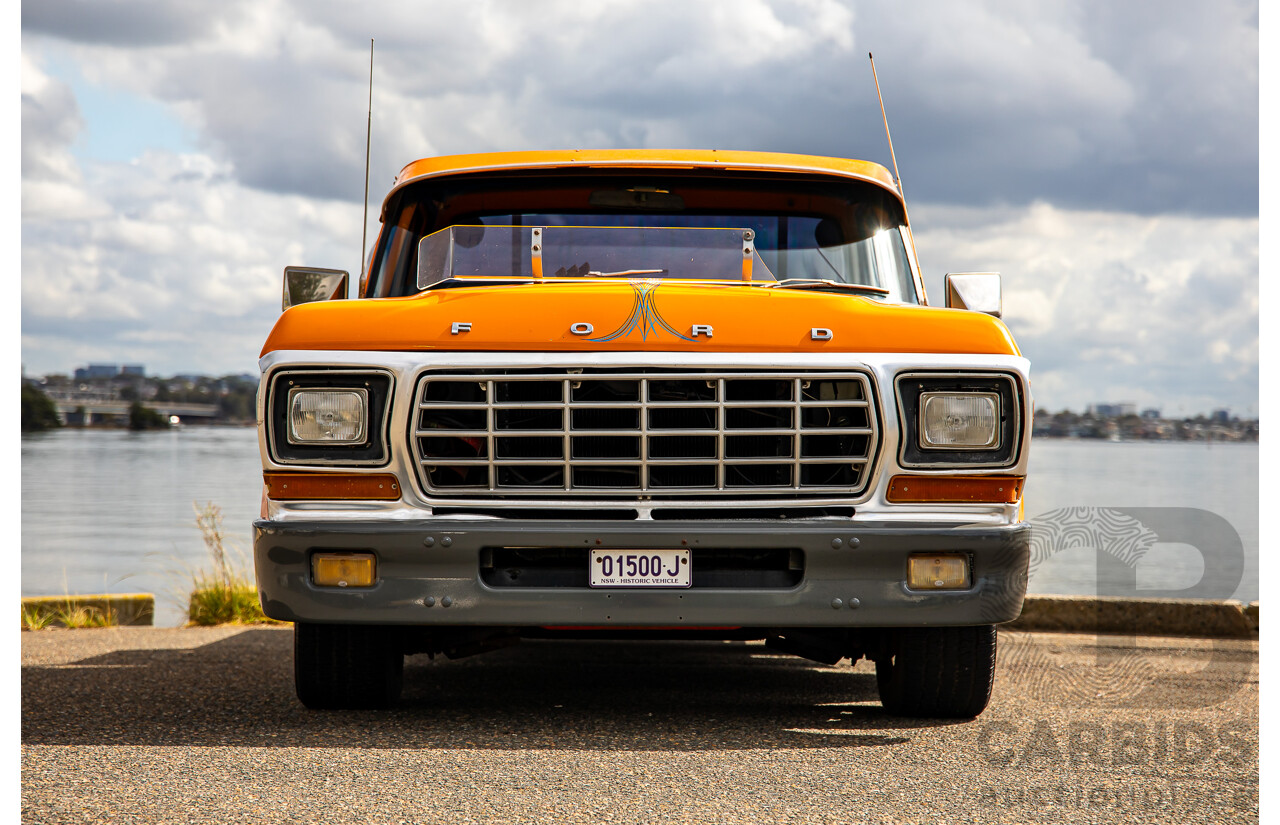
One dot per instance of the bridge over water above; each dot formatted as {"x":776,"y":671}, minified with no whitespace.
{"x":101,"y":409}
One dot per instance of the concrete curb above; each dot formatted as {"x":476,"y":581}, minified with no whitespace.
{"x":1144,"y":617}
{"x":122,"y":609}
{"x":1054,"y":614}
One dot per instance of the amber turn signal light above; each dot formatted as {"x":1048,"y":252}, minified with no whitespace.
{"x":955,"y":489}
{"x":937,"y":571}
{"x":331,"y":486}
{"x":343,"y":569}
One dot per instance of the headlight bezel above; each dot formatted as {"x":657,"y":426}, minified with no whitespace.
{"x":913,"y":386}
{"x":373,"y":450}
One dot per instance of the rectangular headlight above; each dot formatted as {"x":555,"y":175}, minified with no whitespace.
{"x":959,"y":421}
{"x":328,"y":416}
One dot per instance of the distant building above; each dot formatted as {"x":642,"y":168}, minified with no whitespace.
{"x":1151,"y":413}
{"x":1221,"y":416}
{"x":1113,"y":410}
{"x":137,"y":370}
{"x":97,"y":371}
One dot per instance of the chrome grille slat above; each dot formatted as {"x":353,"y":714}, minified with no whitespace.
{"x":644,"y":435}
{"x":796,"y":452}
{"x":658,"y":433}
{"x":720,"y":427}
{"x":490,"y":416}
{"x":566,"y":391}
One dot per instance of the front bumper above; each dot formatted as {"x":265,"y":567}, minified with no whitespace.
{"x":429,"y":575}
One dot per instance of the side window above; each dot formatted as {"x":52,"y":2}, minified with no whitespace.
{"x":395,"y":264}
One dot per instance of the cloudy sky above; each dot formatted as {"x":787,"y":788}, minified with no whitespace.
{"x":1103,"y":156}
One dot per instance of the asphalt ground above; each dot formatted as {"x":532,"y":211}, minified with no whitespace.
{"x":201,"y":725}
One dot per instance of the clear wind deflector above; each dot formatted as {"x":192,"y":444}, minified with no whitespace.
{"x":583,"y":252}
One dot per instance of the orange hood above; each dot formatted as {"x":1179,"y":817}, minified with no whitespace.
{"x":660,"y":316}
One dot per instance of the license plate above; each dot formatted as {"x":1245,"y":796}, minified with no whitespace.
{"x":640,"y":568}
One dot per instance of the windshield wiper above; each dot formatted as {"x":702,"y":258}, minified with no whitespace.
{"x":625,"y":273}
{"x":820,"y":284}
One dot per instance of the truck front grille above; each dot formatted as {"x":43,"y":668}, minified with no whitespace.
{"x":652,"y":432}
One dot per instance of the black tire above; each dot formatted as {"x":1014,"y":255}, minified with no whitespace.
{"x":937,"y":672}
{"x":346,"y":666}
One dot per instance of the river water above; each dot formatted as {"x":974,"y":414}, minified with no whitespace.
{"x":112,"y":510}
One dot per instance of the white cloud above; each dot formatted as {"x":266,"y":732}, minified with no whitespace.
{"x":1127,"y":132}
{"x":1108,"y":305}
{"x":1143,"y":107}
{"x":180,"y":256}
{"x":50,"y":121}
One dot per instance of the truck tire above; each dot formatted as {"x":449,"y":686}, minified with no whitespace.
{"x":937,"y":672}
{"x":346,"y":666}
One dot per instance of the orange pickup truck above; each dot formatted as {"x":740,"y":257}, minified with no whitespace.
{"x":643,"y":394}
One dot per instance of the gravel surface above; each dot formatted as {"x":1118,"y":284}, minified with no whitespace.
{"x":184,"y":725}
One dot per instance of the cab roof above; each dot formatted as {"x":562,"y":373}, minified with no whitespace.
{"x":675,"y":159}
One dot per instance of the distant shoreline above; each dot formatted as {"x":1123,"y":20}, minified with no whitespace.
{"x":1201,"y":441}
{"x":114,"y":427}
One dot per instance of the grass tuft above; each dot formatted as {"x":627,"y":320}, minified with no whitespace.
{"x":67,"y":614}
{"x":33,"y":619}
{"x":214,"y":602}
{"x":227,"y":594}
{"x":82,"y":616}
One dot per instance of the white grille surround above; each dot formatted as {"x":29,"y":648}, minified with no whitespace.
{"x":644,"y":433}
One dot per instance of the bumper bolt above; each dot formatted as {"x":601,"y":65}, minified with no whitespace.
{"x":837,"y":543}
{"x":854,"y":604}
{"x":446,"y":541}
{"x":446,"y":601}
{"x":429,"y":601}
{"x":836,"y":604}
{"x":429,"y":541}
{"x":854,"y":542}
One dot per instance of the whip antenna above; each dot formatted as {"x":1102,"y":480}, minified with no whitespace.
{"x":368,"y":132}
{"x":886,"y":126}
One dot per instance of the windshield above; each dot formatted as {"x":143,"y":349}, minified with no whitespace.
{"x":778,"y":248}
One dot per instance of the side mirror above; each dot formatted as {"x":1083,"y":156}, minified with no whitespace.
{"x":304,"y":284}
{"x":977,"y":291}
